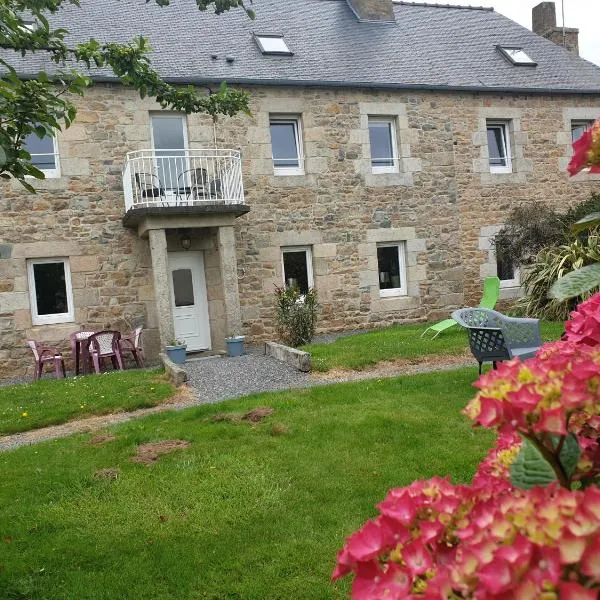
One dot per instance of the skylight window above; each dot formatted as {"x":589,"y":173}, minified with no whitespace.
{"x":272,"y":44}
{"x":517,"y":56}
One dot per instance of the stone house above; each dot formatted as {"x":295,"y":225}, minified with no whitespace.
{"x":387,"y":143}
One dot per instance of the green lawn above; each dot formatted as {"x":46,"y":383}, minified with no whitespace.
{"x":246,"y":512}
{"x":398,"y":342}
{"x":51,"y":401}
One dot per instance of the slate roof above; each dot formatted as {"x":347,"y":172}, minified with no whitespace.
{"x":429,"y":46}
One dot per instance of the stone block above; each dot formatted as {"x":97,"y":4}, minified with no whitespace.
{"x":53,"y":333}
{"x":12,"y":301}
{"x":86,"y":297}
{"x":291,"y":356}
{"x":74,"y":167}
{"x":22,"y":319}
{"x":270,"y":254}
{"x":325,"y":250}
{"x":46,"y":249}
{"x":416,"y":244}
{"x":397,"y":234}
{"x":176,"y":373}
{"x":5,"y":251}
{"x":84,"y":263}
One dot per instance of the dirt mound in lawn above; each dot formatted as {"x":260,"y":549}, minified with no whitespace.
{"x":256,"y":415}
{"x":148,"y":454}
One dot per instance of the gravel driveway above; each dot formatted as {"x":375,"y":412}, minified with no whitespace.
{"x":218,"y":378}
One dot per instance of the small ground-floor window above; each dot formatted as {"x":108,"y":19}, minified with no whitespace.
{"x":391,"y":261}
{"x":297,"y":268}
{"x":50,"y":291}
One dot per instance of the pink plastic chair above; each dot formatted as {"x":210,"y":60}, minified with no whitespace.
{"x":132,"y":343}
{"x":45,"y":355}
{"x":105,"y":344}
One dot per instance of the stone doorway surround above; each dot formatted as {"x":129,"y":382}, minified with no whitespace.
{"x":211,"y":230}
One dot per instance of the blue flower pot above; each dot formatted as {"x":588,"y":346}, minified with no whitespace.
{"x":235,"y":345}
{"x":176,"y":354}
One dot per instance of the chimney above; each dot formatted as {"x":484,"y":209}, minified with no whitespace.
{"x":373,"y":11}
{"x":543,"y":18}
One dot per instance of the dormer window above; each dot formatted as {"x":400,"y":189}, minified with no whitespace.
{"x":516,"y":56}
{"x":272,"y":44}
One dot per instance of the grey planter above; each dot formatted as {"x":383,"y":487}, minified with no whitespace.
{"x":176,"y":354}
{"x":236,"y":345}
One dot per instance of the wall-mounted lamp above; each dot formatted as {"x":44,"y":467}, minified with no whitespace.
{"x":186,"y":241}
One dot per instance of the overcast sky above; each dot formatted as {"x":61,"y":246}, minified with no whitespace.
{"x":583,"y":14}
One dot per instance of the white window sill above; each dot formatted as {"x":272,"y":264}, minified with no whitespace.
{"x":392,"y":293}
{"x":509,"y":283}
{"x":279,"y":172}
{"x":378,"y":170}
{"x":48,"y":173}
{"x":500,"y":170}
{"x":52,"y":319}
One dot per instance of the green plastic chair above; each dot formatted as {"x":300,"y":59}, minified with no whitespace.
{"x":491,"y":294}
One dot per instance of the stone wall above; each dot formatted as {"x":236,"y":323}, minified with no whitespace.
{"x":437,"y":204}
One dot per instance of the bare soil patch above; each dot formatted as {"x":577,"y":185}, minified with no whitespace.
{"x":99,"y":440}
{"x":107,"y":473}
{"x":393,"y":368}
{"x":148,"y":454}
{"x":256,"y":415}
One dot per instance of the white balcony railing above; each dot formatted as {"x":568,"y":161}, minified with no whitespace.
{"x":182,"y":178}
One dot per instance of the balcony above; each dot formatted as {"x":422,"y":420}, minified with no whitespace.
{"x":176,"y":183}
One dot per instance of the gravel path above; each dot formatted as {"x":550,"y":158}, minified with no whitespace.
{"x":214,"y":379}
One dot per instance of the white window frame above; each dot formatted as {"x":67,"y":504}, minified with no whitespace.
{"x":296,"y":121}
{"x":403,"y":289}
{"x":581,"y":122}
{"x":391,"y":121}
{"x":50,"y":173}
{"x":37,"y":319}
{"x":284,"y":49}
{"x":504,"y":126}
{"x":309,"y":263}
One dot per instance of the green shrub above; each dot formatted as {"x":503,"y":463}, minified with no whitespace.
{"x":549,"y":265}
{"x":532,"y":227}
{"x":296,"y":315}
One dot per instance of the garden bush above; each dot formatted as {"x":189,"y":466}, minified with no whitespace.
{"x":551,"y":264}
{"x":296,"y":315}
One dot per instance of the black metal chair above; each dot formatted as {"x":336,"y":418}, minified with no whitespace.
{"x":195,"y":184}
{"x":149,"y":186}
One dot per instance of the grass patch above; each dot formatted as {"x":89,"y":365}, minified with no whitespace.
{"x":402,"y":342}
{"x":54,"y":401}
{"x":249,"y":511}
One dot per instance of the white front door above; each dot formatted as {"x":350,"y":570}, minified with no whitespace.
{"x":189,"y":300}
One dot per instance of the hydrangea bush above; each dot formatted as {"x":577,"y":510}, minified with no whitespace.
{"x":528,"y":526}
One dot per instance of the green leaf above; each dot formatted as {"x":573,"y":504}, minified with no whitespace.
{"x":576,"y":283}
{"x":2,"y":156}
{"x":569,"y":455}
{"x":530,"y":468}
{"x":588,"y":222}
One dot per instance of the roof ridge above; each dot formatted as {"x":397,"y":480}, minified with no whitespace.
{"x":430,"y":4}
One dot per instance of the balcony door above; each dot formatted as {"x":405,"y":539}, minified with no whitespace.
{"x":189,"y":299}
{"x":170,"y":145}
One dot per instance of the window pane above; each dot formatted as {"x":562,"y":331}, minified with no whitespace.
{"x":578,"y":128}
{"x":283,"y":141}
{"x":497,"y":146}
{"x":295,"y":270}
{"x":41,"y":150}
{"x":273,"y":44}
{"x":506,"y":270}
{"x":169,"y":145}
{"x":50,"y":288}
{"x":389,"y":267}
{"x":183,"y":287}
{"x":382,"y":149}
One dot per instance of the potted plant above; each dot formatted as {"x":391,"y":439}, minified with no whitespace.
{"x":176,"y":351}
{"x":235,"y":344}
